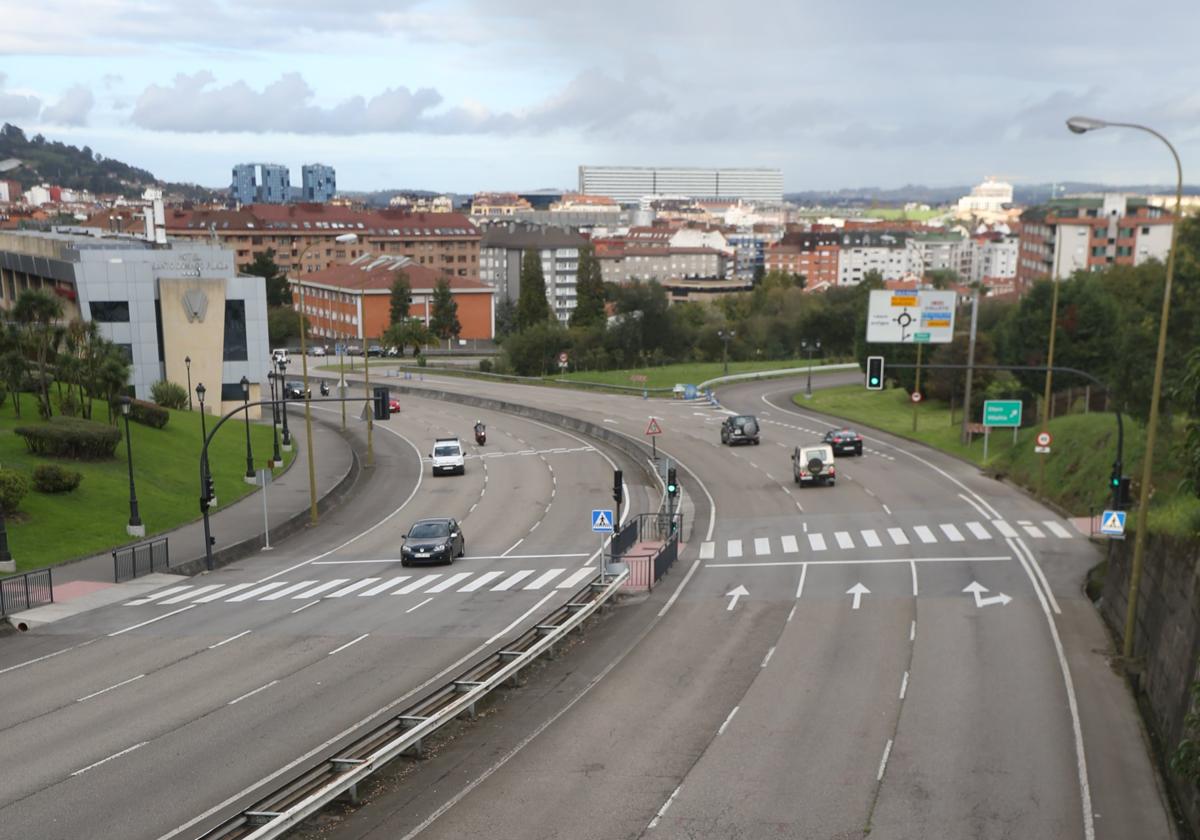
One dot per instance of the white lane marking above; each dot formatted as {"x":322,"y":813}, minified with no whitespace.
{"x":187,"y":596}
{"x":44,"y":657}
{"x":800,"y":585}
{"x":385,"y":586}
{"x":843,"y":539}
{"x":708,"y":550}
{"x":513,"y":546}
{"x":574,"y":579}
{"x":416,"y":584}
{"x":816,"y":542}
{"x":791,"y":612}
{"x":418,"y":606}
{"x":151,"y":621}
{"x":521,"y":618}
{"x":912,"y":631}
{"x":788,"y":541}
{"x":898,"y":536}
{"x":733,"y":548}
{"x":512,"y":580}
{"x":913,"y":565}
{"x":459,"y":577}
{"x":259,"y":590}
{"x":110,"y":688}
{"x":1034,"y":531}
{"x":953,"y":533}
{"x":352,"y":642}
{"x":544,"y":578}
{"x":531,"y":556}
{"x":227,"y":641}
{"x":767,"y":658}
{"x":354,"y":587}
{"x":721,"y":729}
{"x":804,"y":527}
{"x":762,"y":545}
{"x":883,"y":762}
{"x":871,"y":538}
{"x":306,"y":606}
{"x":252,"y":693}
{"x":157,"y":595}
{"x":355,"y":562}
{"x":978,"y":531}
{"x":924,"y":534}
{"x":1005,"y":529}
{"x":487,"y":577}
{"x":1056,"y":529}
{"x":1038,"y":571}
{"x":221,"y":593}
{"x":665,"y":806}
{"x":887,"y":510}
{"x":859,"y":562}
{"x":288,"y":590}
{"x":125,"y":751}
{"x":904,"y":685}
{"x":975,"y":505}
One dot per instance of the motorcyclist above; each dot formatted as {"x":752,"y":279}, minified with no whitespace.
{"x":324,"y":388}
{"x":480,"y":432}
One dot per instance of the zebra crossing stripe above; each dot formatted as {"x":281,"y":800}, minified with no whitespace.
{"x":154,"y":597}
{"x":254,"y":593}
{"x":898,"y":536}
{"x":512,"y":580}
{"x":544,"y":578}
{"x":281,"y":593}
{"x":187,"y":596}
{"x":237,"y":587}
{"x":708,"y":550}
{"x":953,"y":533}
{"x":817,"y":542}
{"x":354,"y":587}
{"x":789,"y":544}
{"x":1058,"y":530}
{"x":762,"y":545}
{"x":317,"y":590}
{"x":576,"y":579}
{"x":448,"y":582}
{"x":1034,"y":531}
{"x":924,"y":534}
{"x":486,"y":578}
{"x":871,"y":539}
{"x":1006,"y":530}
{"x":385,"y":586}
{"x":734,"y":548}
{"x":843,"y":539}
{"x":416,"y":584}
{"x":979,"y":531}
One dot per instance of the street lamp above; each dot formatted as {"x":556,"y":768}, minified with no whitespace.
{"x":815,"y":348}
{"x":283,"y":398}
{"x":1080,"y":125}
{"x":278,"y":459}
{"x":207,"y":498}
{"x":187,"y":363}
{"x":135,"y":528}
{"x":726,"y":336}
{"x":250,"y":478}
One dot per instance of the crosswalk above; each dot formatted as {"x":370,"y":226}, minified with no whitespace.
{"x":429,"y":584}
{"x":868,"y":538}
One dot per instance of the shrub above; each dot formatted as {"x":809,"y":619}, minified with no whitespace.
{"x":51,"y":478}
{"x":13,"y":487}
{"x":421,"y":360}
{"x":71,"y":437}
{"x":485,"y":365}
{"x":147,"y":413}
{"x":169,"y":394}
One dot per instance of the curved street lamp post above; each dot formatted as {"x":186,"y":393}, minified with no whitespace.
{"x":187,"y":363}
{"x":135,"y":528}
{"x":250,"y":477}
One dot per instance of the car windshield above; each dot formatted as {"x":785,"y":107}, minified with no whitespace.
{"x":448,"y":451}
{"x":427,"y":530}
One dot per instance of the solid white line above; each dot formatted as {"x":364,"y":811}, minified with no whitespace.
{"x":383,"y":587}
{"x":187,"y":596}
{"x":792,"y":612}
{"x":789,"y":544}
{"x":514,"y":545}
{"x":418,"y":606}
{"x":887,"y":510}
{"x":843,"y":539}
{"x":40,"y":658}
{"x":1004,"y":528}
{"x":953,"y":533}
{"x":573,"y":580}
{"x":354,"y":562}
{"x":979,"y":532}
{"x":898,"y":536}
{"x":521,"y":618}
{"x":767,"y":658}
{"x":800,"y":585}
{"x":110,"y":758}
{"x":817,"y":542}
{"x":110,"y":688}
{"x":975,"y":505}
{"x":871,"y":538}
{"x":306,"y":606}
{"x":487,"y":577}
{"x":534,"y":526}
{"x":708,"y":550}
{"x":1038,"y":571}
{"x":250,"y":593}
{"x":904,"y":685}
{"x":216,"y":596}
{"x":663,"y":809}
{"x":252,"y":693}
{"x":227,"y":641}
{"x":862,"y":562}
{"x":721,"y":730}
{"x":883,"y":762}
{"x":416,"y":584}
{"x":733,"y":548}
{"x":288,"y":590}
{"x":151,"y":621}
{"x":530,"y":556}
{"x":913,"y":565}
{"x":544,"y":578}
{"x":458,"y":577}
{"x":762,"y":545}
{"x":682,"y":583}
{"x":354,"y":642}
{"x":512,"y":580}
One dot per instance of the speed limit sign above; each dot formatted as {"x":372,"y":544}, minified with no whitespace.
{"x":562,"y":359}
{"x":1044,"y":439}
{"x":916,"y":396}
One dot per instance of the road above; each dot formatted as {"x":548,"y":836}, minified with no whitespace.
{"x":913,"y":657}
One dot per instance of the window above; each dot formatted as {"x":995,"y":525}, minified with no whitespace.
{"x":1098,"y":252}
{"x":1145,"y":231}
{"x":235,"y":349}
{"x":110,"y":311}
{"x":231,"y":391}
{"x":126,"y":352}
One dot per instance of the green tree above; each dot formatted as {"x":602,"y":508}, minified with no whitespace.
{"x":942,"y":278}
{"x":279,"y":293}
{"x":13,"y":364}
{"x":401,"y":300}
{"x":506,"y":318}
{"x":38,"y":312}
{"x":283,"y":326}
{"x":443,"y":316}
{"x":589,"y":291}
{"x":532,"y":306}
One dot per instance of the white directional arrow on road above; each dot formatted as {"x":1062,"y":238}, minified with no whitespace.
{"x":978,"y":589}
{"x":857,"y":590}
{"x":734,"y":594}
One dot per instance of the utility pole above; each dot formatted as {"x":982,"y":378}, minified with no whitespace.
{"x":970,"y":366}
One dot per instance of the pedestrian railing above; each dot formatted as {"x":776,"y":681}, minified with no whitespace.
{"x":625,"y":539}
{"x":141,"y":559}
{"x":25,"y":591}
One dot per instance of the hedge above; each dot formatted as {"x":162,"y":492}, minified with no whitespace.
{"x":147,"y":413}
{"x":71,"y":437}
{"x":51,"y":478}
{"x":13,"y":487}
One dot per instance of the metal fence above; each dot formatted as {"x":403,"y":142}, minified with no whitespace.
{"x":26,"y":591}
{"x":659,"y":526}
{"x":141,"y":559}
{"x":624,"y":539}
{"x":666,"y":557}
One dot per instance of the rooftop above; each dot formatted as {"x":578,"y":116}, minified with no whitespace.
{"x":377,"y":273}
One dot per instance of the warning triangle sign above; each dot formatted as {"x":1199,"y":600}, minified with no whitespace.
{"x":654,"y":428}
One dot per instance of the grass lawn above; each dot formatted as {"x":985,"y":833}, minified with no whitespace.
{"x":51,"y":528}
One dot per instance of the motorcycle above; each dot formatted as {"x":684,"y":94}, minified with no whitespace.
{"x":324,"y":389}
{"x":480,"y":434}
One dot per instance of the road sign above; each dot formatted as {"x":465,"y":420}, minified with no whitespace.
{"x":562,"y":359}
{"x":602,"y":521}
{"x":637,"y":377}
{"x":915,"y":396}
{"x":1002,"y":412}
{"x":1112,"y":522}
{"x":1044,"y":439}
{"x":913,"y":317}
{"x":1042,"y":450}
{"x":654,"y":428}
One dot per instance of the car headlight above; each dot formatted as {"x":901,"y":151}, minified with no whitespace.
{"x":406,"y":551}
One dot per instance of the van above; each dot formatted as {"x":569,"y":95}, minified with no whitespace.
{"x":280,"y":354}
{"x":447,"y":456}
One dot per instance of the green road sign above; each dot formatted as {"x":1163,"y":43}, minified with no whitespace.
{"x":1002,"y":413}
{"x":921,"y":338}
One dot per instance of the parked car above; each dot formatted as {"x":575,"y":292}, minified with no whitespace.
{"x":293,"y":389}
{"x":844,"y":441}
{"x":375,"y":350}
{"x":318,"y":350}
{"x":813,"y":464}
{"x":447,"y":456}
{"x":353,"y":349}
{"x":742,"y":428}
{"x":432,"y":541}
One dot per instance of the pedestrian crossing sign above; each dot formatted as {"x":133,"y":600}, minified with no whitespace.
{"x":602,"y":521}
{"x":1112,"y":522}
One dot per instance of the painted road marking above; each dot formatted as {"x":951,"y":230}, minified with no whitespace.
{"x":416,"y":584}
{"x":871,"y":539}
{"x":252,"y":593}
{"x":843,"y":539}
{"x":575,"y":579}
{"x":762,"y":545}
{"x":816,"y":542}
{"x":187,"y":596}
{"x":486,"y":578}
{"x":1033,"y":530}
{"x":1056,"y":529}
{"x":788,"y":541}
{"x":544,"y":578}
{"x":385,"y":586}
{"x":708,"y":550}
{"x":953,"y":533}
{"x":448,"y":582}
{"x":924,"y":534}
{"x":319,"y":588}
{"x":512,"y":580}
{"x":733,"y":548}
{"x":1005,"y":529}
{"x":898,"y":536}
{"x":288,"y":590}
{"x":354,"y":587}
{"x":978,"y":531}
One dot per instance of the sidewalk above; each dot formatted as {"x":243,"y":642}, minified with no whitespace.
{"x":238,"y":529}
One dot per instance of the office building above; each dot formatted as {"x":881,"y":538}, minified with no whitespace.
{"x":629,"y":184}
{"x":261,"y":183}
{"x":318,"y":183}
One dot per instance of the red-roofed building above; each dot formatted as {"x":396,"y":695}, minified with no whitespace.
{"x":812,"y":255}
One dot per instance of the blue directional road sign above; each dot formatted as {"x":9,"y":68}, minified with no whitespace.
{"x":602,"y":521}
{"x":1112,"y":522}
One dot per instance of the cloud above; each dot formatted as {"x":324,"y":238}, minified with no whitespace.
{"x":15,"y":106}
{"x":72,"y":109}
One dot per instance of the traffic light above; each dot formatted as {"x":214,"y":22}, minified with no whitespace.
{"x":1124,"y":494}
{"x":617,"y":486}
{"x":874,"y":373}
{"x":672,"y":483}
{"x":380,"y":401}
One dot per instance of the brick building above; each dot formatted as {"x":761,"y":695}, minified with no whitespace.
{"x":814,"y":255}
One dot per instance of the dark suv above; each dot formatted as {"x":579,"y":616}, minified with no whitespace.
{"x":844,"y":441}
{"x":741,"y":428}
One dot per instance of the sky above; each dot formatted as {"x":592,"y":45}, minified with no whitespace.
{"x":473,"y":95}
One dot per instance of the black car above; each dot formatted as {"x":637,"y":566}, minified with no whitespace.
{"x":741,"y":428}
{"x":844,"y":441}
{"x":432,"y":541}
{"x":294,"y":390}
{"x":375,"y":350}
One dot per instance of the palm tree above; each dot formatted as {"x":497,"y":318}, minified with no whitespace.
{"x":13,"y":365}
{"x":38,"y":311}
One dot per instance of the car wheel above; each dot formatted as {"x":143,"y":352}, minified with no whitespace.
{"x":757,"y":441}
{"x":405,"y":563}
{"x":462,"y":548}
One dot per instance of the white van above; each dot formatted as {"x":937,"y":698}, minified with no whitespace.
{"x":447,"y":456}
{"x":280,"y":354}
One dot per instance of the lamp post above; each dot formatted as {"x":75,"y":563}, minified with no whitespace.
{"x":135,"y":528}
{"x":1080,"y":125}
{"x":810,"y":350}
{"x":278,"y":459}
{"x":207,"y":497}
{"x":250,"y":478}
{"x":283,"y":399}
{"x":187,"y":363}
{"x":726,"y":336}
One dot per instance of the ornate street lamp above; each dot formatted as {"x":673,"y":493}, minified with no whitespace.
{"x":135,"y":528}
{"x":278,"y":459}
{"x":250,"y":478}
{"x":726,"y":336}
{"x":283,"y":397}
{"x":187,"y":362}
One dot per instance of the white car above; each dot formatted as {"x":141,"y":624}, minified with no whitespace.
{"x":317,"y":351}
{"x":447,"y":456}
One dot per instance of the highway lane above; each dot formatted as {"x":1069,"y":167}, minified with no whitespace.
{"x":226,"y":685}
{"x":922,"y":713}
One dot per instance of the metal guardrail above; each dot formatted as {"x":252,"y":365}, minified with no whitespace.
{"x":141,"y":559}
{"x":26,"y":591}
{"x":312,"y":789}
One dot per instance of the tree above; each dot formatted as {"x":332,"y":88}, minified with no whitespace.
{"x":38,"y":311}
{"x":506,"y":318}
{"x":401,"y":299}
{"x":532,"y":306}
{"x":283,"y":325}
{"x":942,"y":278}
{"x":589,"y":291}
{"x":279,"y":293}
{"x":443,"y":316}
{"x":13,"y":365}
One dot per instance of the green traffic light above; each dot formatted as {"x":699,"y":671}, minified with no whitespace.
{"x":874,"y":380}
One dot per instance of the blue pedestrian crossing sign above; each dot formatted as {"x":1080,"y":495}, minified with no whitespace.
{"x":1112,"y":522}
{"x":602,"y":521}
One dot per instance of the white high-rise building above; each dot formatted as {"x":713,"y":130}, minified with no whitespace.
{"x":627,"y":184}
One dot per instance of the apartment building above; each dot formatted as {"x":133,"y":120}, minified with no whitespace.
{"x":621,"y":262}
{"x":864,"y":251}
{"x":811,"y":254}
{"x":994,"y":255}
{"x":261,"y":183}
{"x":499,"y":204}
{"x":939,"y":251}
{"x":318,"y":182}
{"x":503,"y":247}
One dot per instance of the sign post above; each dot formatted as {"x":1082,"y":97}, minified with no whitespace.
{"x":1043,"y":442}
{"x":653,"y":430}
{"x":602,"y":523}
{"x":563,"y":359}
{"x":1000,"y":413}
{"x":264,"y":478}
